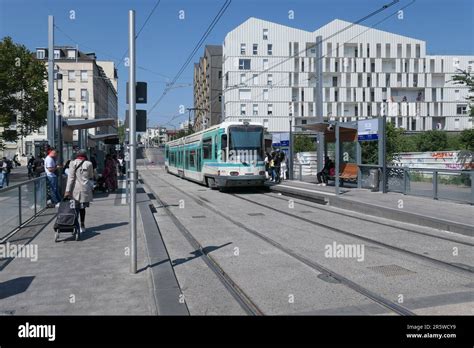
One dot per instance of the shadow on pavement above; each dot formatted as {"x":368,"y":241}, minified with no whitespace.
{"x":15,"y":286}
{"x":104,"y":227}
{"x":198,"y":253}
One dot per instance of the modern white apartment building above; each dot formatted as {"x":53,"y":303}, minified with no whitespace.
{"x":89,"y":91}
{"x":270,"y":75}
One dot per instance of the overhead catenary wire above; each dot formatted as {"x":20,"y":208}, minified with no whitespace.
{"x":198,"y":45}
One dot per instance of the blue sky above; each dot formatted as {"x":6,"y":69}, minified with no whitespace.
{"x":166,"y":41}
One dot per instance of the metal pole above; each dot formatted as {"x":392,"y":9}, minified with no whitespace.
{"x":384,"y":158}
{"x":19,"y":205}
{"x":435,"y":184}
{"x":359,"y":162}
{"x":290,"y":157}
{"x":133,"y":144}
{"x":337,"y":158}
{"x":319,"y":100}
{"x":472,"y":186}
{"x":50,"y":123}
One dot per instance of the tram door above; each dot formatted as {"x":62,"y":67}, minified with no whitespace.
{"x":198,"y":160}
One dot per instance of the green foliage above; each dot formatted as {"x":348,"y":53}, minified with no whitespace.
{"x":433,"y":140}
{"x":303,"y":143}
{"x":465,"y":78}
{"x":466,"y":139}
{"x":22,"y":90}
{"x":121,"y":133}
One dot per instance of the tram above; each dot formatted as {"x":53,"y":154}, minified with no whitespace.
{"x":230,"y":154}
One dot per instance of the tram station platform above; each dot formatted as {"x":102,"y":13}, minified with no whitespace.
{"x":91,"y":276}
{"x":442,"y":215}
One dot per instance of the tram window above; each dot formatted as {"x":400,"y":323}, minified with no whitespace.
{"x":216,"y":150}
{"x":192,"y":158}
{"x":223,"y":141}
{"x":207,"y":148}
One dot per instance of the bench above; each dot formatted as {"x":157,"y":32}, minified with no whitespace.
{"x":348,"y":172}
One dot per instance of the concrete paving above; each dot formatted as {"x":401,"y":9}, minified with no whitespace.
{"x":443,"y":215}
{"x":269,"y":276}
{"x":87,"y":277}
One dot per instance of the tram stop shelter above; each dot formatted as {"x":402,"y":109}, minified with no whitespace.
{"x":347,"y":135}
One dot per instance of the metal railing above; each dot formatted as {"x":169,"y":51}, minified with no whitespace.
{"x":450,"y":184}
{"x":19,"y":203}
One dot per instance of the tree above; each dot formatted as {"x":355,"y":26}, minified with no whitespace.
{"x":303,"y":143}
{"x":433,"y":140}
{"x":466,"y":139}
{"x":23,"y":98}
{"x":465,"y":78}
{"x":121,"y":133}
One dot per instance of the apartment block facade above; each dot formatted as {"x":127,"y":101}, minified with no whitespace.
{"x":208,"y":88}
{"x":89,"y":91}
{"x":270,"y":76}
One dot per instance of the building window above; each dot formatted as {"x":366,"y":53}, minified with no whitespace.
{"x":265,"y":123}
{"x":270,"y":109}
{"x":255,"y":79}
{"x":220,"y":74}
{"x":242,"y":48}
{"x":83,"y":110}
{"x":242,"y":110}
{"x":72,"y":94}
{"x":265,"y":94}
{"x":265,"y":34}
{"x":456,"y":123}
{"x":72,"y":110}
{"x":71,"y":54}
{"x":244,"y":94}
{"x":269,"y":49}
{"x":242,"y":79}
{"x":265,"y":64}
{"x":83,"y":75}
{"x":40,"y":54}
{"x":270,"y":79}
{"x":461,"y":109}
{"x":255,"y":109}
{"x":255,"y":49}
{"x":71,"y":75}
{"x":57,"y":54}
{"x":83,"y":94}
{"x":244,"y":64}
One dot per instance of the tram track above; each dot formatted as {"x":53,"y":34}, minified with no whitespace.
{"x":237,"y":293}
{"x":339,"y":213}
{"x":378,"y":299}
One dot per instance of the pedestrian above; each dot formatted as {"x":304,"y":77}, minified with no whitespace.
{"x":3,"y":169}
{"x":38,"y":166}
{"x":267,"y":164}
{"x":323,"y":175}
{"x":50,"y":168}
{"x":7,"y":166}
{"x":110,"y":174}
{"x":283,"y":166}
{"x":271,"y":165}
{"x":79,"y":187}
{"x":277,"y":166}
{"x":30,"y":164}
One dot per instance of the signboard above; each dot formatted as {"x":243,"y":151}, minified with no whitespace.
{"x":140,"y":120}
{"x":367,"y":130}
{"x":140,"y":93}
{"x":280,"y":139}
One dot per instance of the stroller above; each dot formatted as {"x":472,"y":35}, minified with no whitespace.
{"x":65,"y":220}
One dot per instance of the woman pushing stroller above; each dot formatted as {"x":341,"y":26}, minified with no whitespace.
{"x":80,"y":185}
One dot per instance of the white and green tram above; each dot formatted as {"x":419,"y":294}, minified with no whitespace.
{"x":230,"y":154}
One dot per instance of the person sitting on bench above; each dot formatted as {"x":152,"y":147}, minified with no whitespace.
{"x":323,"y":175}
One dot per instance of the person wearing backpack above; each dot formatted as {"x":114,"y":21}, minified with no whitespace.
{"x":79,"y":186}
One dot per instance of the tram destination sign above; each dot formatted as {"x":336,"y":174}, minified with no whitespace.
{"x":368,"y":130}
